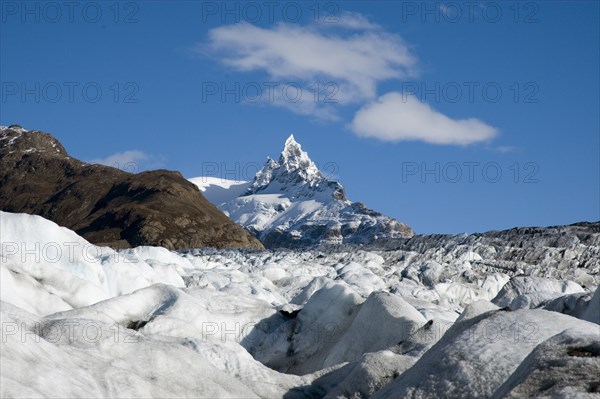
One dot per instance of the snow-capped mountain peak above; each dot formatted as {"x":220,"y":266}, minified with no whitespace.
{"x":296,"y":175}
{"x":292,"y":157}
{"x":290,"y":203}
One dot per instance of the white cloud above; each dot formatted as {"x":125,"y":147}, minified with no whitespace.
{"x":356,"y":62}
{"x":132,"y":161}
{"x":401,"y":117}
{"x":352,"y":20}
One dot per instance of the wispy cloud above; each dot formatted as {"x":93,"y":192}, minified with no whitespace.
{"x":132,"y":161}
{"x":401,"y":117}
{"x":506,"y":149}
{"x":354,"y":20}
{"x":354,"y":62}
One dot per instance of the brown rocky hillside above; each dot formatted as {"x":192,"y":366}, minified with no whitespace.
{"x":108,"y":206}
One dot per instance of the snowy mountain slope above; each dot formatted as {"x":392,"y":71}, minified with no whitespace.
{"x":218,"y":190}
{"x":290,"y":203}
{"x":85,"y":321}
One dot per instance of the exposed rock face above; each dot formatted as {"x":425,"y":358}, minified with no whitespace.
{"x":105,"y":205}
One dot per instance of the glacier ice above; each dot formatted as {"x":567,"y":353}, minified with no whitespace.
{"x":441,"y":317}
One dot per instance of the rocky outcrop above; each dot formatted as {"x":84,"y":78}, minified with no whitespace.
{"x":108,"y":206}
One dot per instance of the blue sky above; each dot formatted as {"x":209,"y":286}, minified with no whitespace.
{"x":420,"y":105}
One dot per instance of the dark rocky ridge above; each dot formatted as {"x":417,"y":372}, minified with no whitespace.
{"x":108,"y":206}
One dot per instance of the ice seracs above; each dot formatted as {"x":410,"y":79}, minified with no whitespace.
{"x":290,"y":203}
{"x":80,"y":320}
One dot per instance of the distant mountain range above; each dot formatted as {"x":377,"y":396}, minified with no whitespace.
{"x":108,"y":206}
{"x":291,"y":204}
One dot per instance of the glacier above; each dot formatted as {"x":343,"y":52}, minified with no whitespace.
{"x":444,"y":316}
